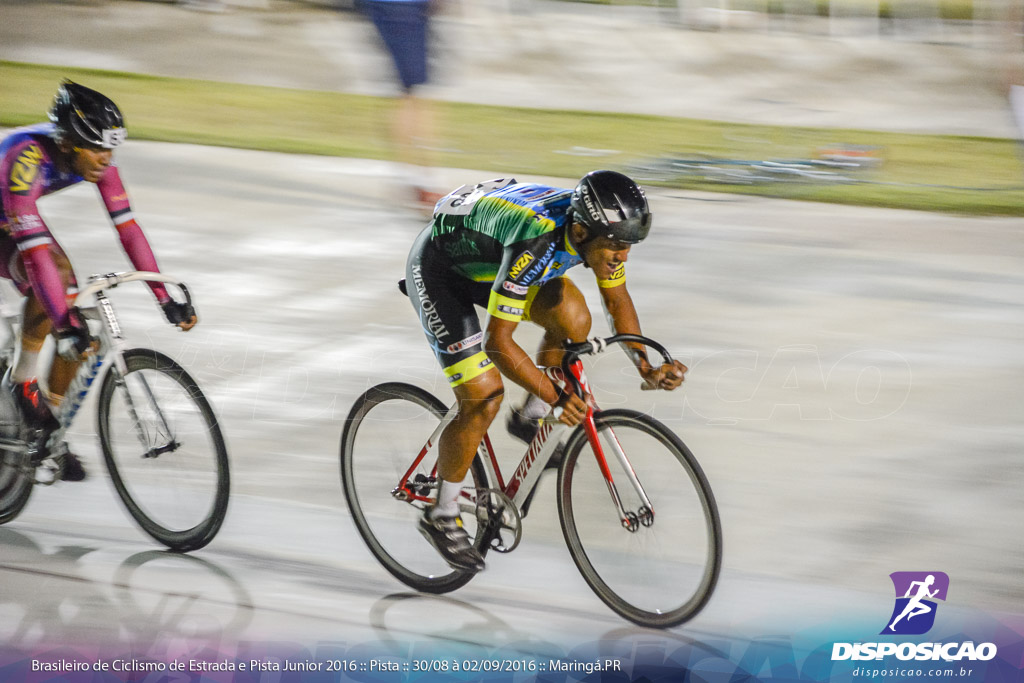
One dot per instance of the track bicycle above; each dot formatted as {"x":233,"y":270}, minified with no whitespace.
{"x":636,"y":511}
{"x":160,"y":438}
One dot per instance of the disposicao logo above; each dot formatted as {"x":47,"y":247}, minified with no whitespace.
{"x":916,"y":593}
{"x":914,"y":614}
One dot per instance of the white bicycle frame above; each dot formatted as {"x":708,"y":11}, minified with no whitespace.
{"x":111,"y":342}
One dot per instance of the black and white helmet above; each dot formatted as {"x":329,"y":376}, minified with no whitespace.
{"x":612,"y":205}
{"x":85,"y":117}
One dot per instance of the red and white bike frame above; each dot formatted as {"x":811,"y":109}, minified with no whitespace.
{"x":526,"y":476}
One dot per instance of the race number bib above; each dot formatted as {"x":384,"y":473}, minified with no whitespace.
{"x":112,"y":137}
{"x":460,"y":202}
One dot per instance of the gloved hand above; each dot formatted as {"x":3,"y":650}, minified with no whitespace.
{"x":74,"y":339}
{"x":182,"y":315}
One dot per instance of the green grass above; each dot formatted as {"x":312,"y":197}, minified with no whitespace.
{"x":918,"y":173}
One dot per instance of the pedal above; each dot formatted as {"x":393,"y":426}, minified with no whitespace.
{"x":49,"y":461}
{"x":36,"y":449}
{"x":423,"y":485}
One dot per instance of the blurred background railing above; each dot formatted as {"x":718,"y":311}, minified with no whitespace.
{"x":968,"y":22}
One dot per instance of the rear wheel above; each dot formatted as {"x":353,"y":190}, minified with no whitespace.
{"x":16,"y":484}
{"x":661,"y":568}
{"x":385,"y":430}
{"x":16,"y":474}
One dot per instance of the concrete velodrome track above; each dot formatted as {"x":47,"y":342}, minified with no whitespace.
{"x":853,"y":397}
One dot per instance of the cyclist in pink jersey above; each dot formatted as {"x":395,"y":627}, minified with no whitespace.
{"x":77,"y":144}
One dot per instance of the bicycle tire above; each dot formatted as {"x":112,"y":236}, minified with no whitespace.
{"x":194,"y":420}
{"x":393,"y":518}
{"x":15,"y":484}
{"x":640,"y":575}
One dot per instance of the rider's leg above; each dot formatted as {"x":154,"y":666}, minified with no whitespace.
{"x":35,"y":326}
{"x":560,"y":308}
{"x":23,"y":385}
{"x":445,"y":306}
{"x":477,"y":401}
{"x":62,"y":371}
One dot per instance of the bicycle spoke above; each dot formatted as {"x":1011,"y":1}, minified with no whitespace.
{"x":160,"y":424}
{"x":152,"y":418}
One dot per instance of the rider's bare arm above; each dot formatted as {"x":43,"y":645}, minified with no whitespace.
{"x":513,"y":362}
{"x":622,"y":318}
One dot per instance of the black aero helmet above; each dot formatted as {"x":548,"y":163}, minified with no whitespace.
{"x":611,"y":205}
{"x":86,"y":117}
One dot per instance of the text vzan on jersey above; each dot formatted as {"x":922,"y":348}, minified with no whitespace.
{"x":949,"y":652}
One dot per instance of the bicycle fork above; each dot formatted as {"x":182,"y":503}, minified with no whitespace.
{"x":113,"y":330}
{"x":151,"y":451}
{"x":631,"y":521}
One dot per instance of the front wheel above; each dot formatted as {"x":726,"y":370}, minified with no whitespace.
{"x":385,"y":430}
{"x":164,"y":450}
{"x":660,"y":567}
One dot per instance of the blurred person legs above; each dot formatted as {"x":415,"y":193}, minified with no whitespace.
{"x":413,"y":133}
{"x":1012,"y":48}
{"x":403,"y":25}
{"x":1017,"y":107}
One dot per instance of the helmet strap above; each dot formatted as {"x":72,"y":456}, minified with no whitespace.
{"x":68,"y":152}
{"x":579,"y":245}
{"x":572,"y":220}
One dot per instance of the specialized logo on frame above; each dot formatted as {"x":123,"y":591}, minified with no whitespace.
{"x":917,"y":594}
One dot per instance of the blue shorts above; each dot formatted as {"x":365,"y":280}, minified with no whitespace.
{"x":402,"y":25}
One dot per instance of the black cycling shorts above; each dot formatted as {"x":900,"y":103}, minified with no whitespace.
{"x":445,"y":302}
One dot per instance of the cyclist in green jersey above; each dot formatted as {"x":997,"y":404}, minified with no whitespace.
{"x":506,"y":246}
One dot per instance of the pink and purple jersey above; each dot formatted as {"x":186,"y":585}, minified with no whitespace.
{"x":29,"y":171}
